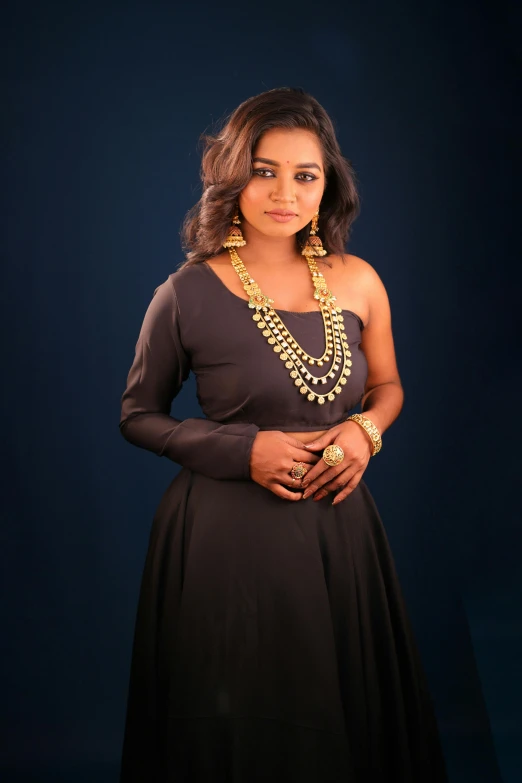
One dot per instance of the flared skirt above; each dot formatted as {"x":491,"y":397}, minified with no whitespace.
{"x":272,"y":643}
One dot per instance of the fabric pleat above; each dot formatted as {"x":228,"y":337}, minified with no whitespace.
{"x":272,"y":642}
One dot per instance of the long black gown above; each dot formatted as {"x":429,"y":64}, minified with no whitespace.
{"x":272,"y":642}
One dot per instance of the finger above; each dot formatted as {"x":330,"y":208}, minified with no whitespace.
{"x":324,"y":441}
{"x":315,"y":476}
{"x":348,"y":489}
{"x":309,"y":460}
{"x":294,"y":442}
{"x":288,"y":480}
{"x":292,"y":484}
{"x":339,"y":481}
{"x":322,"y":493}
{"x":325,"y":471}
{"x":301,"y":455}
{"x":317,"y":481}
{"x":282,"y":492}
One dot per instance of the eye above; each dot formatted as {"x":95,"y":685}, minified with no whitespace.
{"x":260,"y":172}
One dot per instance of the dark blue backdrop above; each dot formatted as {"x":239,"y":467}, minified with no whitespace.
{"x":105,"y":104}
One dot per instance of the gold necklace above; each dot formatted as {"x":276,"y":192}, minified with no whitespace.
{"x":284,"y":344}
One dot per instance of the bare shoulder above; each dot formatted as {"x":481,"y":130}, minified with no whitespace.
{"x":356,"y":283}
{"x":355,"y":268}
{"x":366,"y":278}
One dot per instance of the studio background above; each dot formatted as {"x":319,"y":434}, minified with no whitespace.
{"x":104,"y":107}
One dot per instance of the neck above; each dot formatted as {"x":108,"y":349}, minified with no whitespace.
{"x":265,"y":251}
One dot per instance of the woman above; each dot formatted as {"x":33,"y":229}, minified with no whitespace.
{"x":272,"y":642}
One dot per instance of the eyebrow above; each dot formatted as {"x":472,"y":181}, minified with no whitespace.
{"x":297,"y":165}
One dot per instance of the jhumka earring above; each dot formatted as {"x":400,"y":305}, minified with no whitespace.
{"x":314,"y":246}
{"x":235,"y":237}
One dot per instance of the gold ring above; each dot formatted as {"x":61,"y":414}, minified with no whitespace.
{"x":298,"y":471}
{"x":333,"y":455}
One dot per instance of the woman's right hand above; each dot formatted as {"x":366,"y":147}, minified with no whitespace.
{"x":273,"y":456}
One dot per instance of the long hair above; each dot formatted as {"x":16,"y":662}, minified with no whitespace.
{"x":226,"y":168}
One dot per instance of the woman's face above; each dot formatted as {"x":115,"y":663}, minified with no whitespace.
{"x":289,"y":178}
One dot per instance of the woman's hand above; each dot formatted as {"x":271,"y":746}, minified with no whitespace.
{"x":272,"y":458}
{"x":322,"y":478}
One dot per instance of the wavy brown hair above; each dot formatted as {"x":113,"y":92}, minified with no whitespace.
{"x":226,"y":168}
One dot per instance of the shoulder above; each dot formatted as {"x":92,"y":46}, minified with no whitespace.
{"x":357,"y":271}
{"x":186,"y":270}
{"x":364,"y":291}
{"x":186,"y":277}
{"x":182,"y":285}
{"x":194,"y":290}
{"x":348,"y":264}
{"x":219,"y":260}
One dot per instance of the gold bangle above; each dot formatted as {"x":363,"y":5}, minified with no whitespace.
{"x":370,"y":429}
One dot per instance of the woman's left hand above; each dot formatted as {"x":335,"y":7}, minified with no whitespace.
{"x":322,"y":478}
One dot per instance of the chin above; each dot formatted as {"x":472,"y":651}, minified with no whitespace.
{"x":280,"y":231}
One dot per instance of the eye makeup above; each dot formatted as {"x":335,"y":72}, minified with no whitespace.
{"x":304,"y":173}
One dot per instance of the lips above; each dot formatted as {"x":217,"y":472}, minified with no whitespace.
{"x":284,"y":212}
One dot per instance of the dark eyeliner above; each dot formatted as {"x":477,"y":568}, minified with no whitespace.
{"x":305,"y":173}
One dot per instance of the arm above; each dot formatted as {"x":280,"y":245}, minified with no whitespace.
{"x":381,"y":402}
{"x":383,"y":395}
{"x":159,"y":369}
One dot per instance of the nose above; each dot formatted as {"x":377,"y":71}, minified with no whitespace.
{"x":284,"y":188}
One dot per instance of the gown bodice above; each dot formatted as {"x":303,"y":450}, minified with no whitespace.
{"x":239,"y":377}
{"x":194,"y":322}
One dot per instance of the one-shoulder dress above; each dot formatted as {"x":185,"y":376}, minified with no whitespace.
{"x":272,"y":642}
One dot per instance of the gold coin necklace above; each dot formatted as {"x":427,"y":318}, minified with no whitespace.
{"x":295,"y":357}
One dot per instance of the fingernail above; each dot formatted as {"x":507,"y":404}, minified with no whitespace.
{"x":309,"y":445}
{"x":307,"y":494}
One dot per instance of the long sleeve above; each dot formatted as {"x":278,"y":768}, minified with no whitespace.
{"x":159,"y":369}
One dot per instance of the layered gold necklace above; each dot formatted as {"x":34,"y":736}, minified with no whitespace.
{"x":336,"y":353}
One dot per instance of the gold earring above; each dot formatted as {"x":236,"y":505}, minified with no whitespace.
{"x":314,"y":246}
{"x":235,"y":237}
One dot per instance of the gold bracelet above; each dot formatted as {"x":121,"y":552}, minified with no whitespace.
{"x":370,"y":429}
